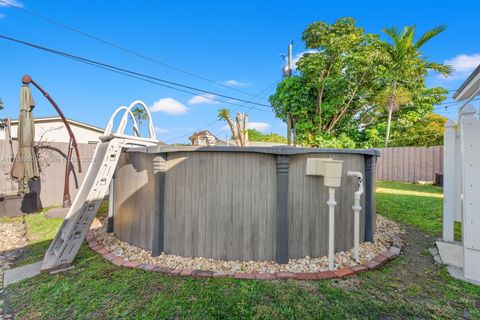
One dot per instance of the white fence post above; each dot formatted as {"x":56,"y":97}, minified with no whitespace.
{"x":470,"y":145}
{"x":449,"y":157}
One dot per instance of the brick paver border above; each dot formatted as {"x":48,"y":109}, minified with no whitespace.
{"x":373,"y":264}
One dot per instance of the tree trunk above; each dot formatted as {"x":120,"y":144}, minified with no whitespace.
{"x":233,"y":128}
{"x":391,"y":106}
{"x":389,"y":123}
{"x":319,"y":108}
{"x":294,"y":127}
{"x":289,"y":129}
{"x":239,"y":120}
{"x":245,"y":128}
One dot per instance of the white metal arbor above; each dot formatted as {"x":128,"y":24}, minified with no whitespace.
{"x":461,"y":183}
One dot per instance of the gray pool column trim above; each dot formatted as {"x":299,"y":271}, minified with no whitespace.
{"x":111,"y":205}
{"x":281,"y":254}
{"x":159,"y":171}
{"x":369,"y":197}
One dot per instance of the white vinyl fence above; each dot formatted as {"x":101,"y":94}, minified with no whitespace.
{"x":462,"y":193}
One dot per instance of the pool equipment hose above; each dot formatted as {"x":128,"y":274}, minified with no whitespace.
{"x":356,"y":210}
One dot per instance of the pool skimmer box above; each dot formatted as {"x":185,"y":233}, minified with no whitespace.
{"x":330,"y":169}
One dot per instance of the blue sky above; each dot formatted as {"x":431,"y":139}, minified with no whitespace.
{"x":235,"y":43}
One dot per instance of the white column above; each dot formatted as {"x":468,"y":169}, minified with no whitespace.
{"x":470,"y":133}
{"x":356,"y":226}
{"x":331,"y":228}
{"x":449,"y":156}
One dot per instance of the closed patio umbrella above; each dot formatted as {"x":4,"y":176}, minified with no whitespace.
{"x":25,"y":165}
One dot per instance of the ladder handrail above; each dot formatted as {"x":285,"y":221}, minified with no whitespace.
{"x":109,"y":127}
{"x":68,"y":240}
{"x":123,"y":122}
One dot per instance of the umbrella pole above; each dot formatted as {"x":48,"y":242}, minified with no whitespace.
{"x":26,"y":79}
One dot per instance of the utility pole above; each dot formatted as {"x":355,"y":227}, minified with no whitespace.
{"x":287,"y":74}
{"x":290,"y":59}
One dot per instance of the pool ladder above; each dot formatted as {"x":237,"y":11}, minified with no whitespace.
{"x":95,"y":185}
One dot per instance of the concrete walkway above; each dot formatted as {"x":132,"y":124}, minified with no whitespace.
{"x":18,"y":274}
{"x":56,"y":213}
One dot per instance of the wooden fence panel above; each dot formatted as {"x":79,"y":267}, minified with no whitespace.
{"x":410,"y":164}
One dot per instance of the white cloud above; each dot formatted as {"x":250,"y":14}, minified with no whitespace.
{"x":236,"y":83}
{"x":162,"y":130}
{"x":169,"y":106}
{"x":14,"y":3}
{"x":462,"y":65}
{"x":203,"y":99}
{"x":259,"y":126}
{"x":225,"y":128}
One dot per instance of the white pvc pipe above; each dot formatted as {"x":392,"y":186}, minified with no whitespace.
{"x":356,"y":212}
{"x":331,"y":228}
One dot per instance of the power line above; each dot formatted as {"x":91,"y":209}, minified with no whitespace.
{"x":138,"y":75}
{"x":118,"y":47}
{"x":436,"y":107}
{"x":153,"y":4}
{"x":153,"y":82}
{"x":129,"y":51}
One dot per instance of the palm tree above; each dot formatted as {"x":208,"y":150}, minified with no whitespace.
{"x":406,"y":66}
{"x":1,"y":104}
{"x":140,"y":114}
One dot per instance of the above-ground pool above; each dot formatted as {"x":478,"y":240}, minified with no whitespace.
{"x":233,"y":203}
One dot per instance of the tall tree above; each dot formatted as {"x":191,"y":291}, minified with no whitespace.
{"x":406,"y":68}
{"x":1,"y":104}
{"x":335,"y":81}
{"x":374,"y":122}
{"x":341,"y":68}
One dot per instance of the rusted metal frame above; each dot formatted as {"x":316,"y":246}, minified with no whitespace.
{"x":72,"y":143}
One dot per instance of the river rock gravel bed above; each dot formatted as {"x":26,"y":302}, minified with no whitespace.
{"x":12,"y":240}
{"x":387,"y":232}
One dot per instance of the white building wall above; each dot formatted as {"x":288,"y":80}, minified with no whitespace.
{"x":56,"y":131}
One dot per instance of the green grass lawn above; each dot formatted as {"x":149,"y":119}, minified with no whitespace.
{"x":410,"y":287}
{"x":417,"y":205}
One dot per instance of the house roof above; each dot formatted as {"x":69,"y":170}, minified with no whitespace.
{"x":58,"y":119}
{"x":202,"y":132}
{"x":470,"y":88}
